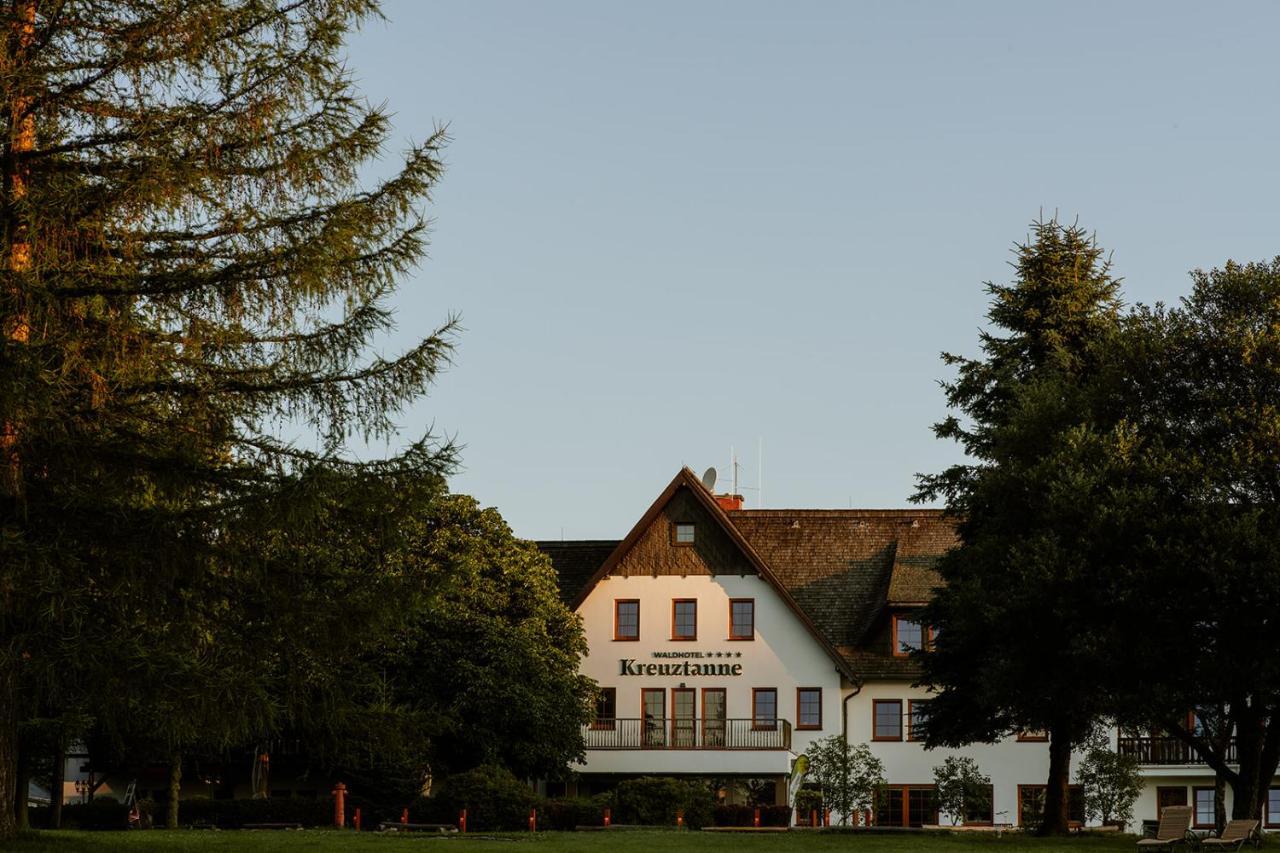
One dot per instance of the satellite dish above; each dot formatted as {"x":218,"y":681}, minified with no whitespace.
{"x":709,"y":479}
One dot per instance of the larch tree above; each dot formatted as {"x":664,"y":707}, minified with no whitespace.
{"x":1019,"y":623}
{"x":196,"y":265}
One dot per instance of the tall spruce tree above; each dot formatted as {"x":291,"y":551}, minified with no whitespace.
{"x":194,"y":264}
{"x":1018,"y":618}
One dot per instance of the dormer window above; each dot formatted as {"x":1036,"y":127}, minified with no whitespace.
{"x":683,"y":534}
{"x":910,"y":635}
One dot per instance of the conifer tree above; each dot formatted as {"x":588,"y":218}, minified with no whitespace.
{"x":1026,"y":584}
{"x":195,"y":267}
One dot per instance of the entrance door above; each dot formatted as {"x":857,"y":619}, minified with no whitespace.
{"x":684,"y":713}
{"x":654,"y":702}
{"x":713,"y":718}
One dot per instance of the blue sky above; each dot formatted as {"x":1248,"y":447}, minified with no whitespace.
{"x":670,"y":228}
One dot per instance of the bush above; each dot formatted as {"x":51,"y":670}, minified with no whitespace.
{"x":739,"y":815}
{"x":493,"y":797}
{"x":808,"y":800}
{"x":233,"y":814}
{"x":654,"y":801}
{"x":570,"y":813}
{"x":101,"y":813}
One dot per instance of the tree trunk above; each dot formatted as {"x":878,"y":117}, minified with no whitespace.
{"x":22,"y":788}
{"x":8,"y":749}
{"x":1249,"y":787}
{"x":175,"y":786}
{"x":58,"y":782}
{"x":1056,"y":803}
{"x":1219,"y":803}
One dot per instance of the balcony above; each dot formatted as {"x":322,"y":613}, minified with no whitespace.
{"x":691,"y":733}
{"x":1165,"y":750}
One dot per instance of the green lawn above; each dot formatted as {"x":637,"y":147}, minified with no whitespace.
{"x":552,"y":842}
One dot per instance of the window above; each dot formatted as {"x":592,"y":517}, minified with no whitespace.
{"x":683,"y":533}
{"x":1273,"y":807}
{"x":916,"y":709}
{"x":906,"y":805}
{"x":908,"y":636}
{"x":606,"y":708}
{"x":713,"y":716}
{"x":764,"y":708}
{"x":654,"y":702}
{"x":1204,"y":811}
{"x":684,"y":619}
{"x":1170,"y":795}
{"x":626,"y":619}
{"x":1033,"y":736}
{"x":1031,"y":800}
{"x":742,"y":619}
{"x":808,"y":707}
{"x":886,"y":719}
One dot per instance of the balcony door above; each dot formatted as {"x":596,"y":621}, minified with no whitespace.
{"x":654,"y":702}
{"x":713,"y":718}
{"x":684,"y":714}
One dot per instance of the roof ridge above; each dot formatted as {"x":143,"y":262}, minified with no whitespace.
{"x":854,"y":513}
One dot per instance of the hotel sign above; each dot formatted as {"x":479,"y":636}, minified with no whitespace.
{"x":686,"y":667}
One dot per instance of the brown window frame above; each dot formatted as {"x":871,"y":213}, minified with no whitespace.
{"x":1268,"y":819}
{"x":756,"y":724}
{"x":618,"y":638}
{"x":675,"y":538}
{"x":926,"y":635}
{"x":812,"y":727}
{"x":738,"y":638}
{"x":1195,"y":811}
{"x":691,"y":637}
{"x":875,"y":718}
{"x":910,"y":729}
{"x":596,"y":723}
{"x":724,"y":732}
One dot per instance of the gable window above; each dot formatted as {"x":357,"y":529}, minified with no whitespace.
{"x":683,"y":533}
{"x":908,"y":636}
{"x":742,"y":619}
{"x":808,"y":707}
{"x":626,"y":619}
{"x":916,"y":709}
{"x":1205,"y":815}
{"x":684,"y":619}
{"x":606,"y":708}
{"x":764,"y":708}
{"x":886,"y":719}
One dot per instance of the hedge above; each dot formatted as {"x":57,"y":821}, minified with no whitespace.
{"x":735,"y":815}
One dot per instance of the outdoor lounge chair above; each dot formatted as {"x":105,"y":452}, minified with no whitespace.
{"x":1174,"y":829}
{"x":1234,"y":836}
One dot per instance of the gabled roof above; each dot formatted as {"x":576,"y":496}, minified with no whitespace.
{"x":841,"y":571}
{"x":686,"y":479}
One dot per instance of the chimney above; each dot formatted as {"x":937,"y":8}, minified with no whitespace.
{"x":729,"y":503}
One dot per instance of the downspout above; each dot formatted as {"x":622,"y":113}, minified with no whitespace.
{"x":844,"y":708}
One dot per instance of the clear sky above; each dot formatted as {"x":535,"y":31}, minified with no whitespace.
{"x":670,"y":228}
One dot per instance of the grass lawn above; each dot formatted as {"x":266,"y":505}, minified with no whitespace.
{"x":155,"y":841}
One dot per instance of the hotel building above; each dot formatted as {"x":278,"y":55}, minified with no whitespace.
{"x":725,"y":640}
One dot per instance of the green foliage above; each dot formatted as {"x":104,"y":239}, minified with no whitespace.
{"x":961,"y":787}
{"x":808,"y":800}
{"x":1111,"y":783}
{"x":654,"y":801}
{"x":745,"y":815}
{"x":493,"y":797}
{"x":570,"y":813}
{"x":848,"y":775}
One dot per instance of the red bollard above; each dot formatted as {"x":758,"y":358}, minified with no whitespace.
{"x":339,"y":805}
{"x":755,"y":820}
{"x":404,"y":817}
{"x":679,"y":818}
{"x":355,"y":821}
{"x":607,"y":818}
{"x":533,"y":820}
{"x":462,"y":821}
{"x":813,"y":817}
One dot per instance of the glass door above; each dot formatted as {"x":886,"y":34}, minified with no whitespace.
{"x":713,"y":718}
{"x":654,"y":702}
{"x":684,"y":713}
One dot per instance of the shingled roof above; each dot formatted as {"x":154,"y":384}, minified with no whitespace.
{"x":846,"y":570}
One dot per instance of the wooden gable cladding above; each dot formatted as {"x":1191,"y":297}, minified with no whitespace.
{"x":656,"y":553}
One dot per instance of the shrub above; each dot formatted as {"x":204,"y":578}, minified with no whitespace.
{"x":962,"y":788}
{"x":493,"y":797}
{"x":1111,"y":783}
{"x":741,"y":815}
{"x":654,"y":801}
{"x":808,"y":800}
{"x":101,"y":813}
{"x":570,"y":813}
